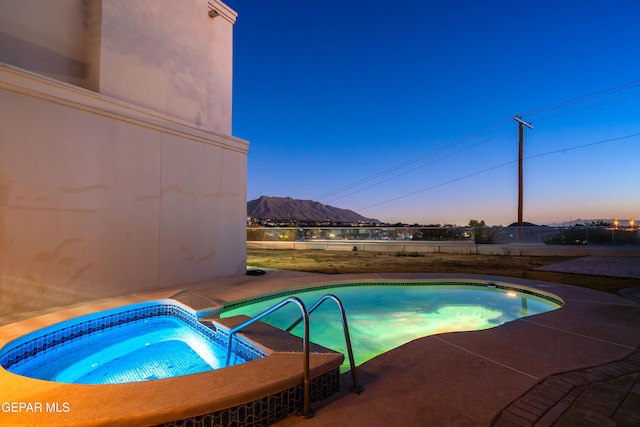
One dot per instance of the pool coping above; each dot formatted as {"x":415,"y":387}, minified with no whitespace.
{"x":468,"y":377}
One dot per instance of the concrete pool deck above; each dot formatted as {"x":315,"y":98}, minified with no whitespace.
{"x":469,"y":378}
{"x":505,"y":375}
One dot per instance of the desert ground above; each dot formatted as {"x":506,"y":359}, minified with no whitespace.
{"x":343,"y":262}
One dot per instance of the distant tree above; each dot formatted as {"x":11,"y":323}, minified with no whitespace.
{"x":476,"y":223}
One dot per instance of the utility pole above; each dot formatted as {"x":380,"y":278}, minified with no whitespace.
{"x":521,"y":126}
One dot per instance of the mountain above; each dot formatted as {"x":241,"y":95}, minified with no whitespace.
{"x":286,"y":208}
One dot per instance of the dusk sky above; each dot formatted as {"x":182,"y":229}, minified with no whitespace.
{"x":403,"y":111}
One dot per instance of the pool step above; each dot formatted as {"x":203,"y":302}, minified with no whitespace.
{"x":271,"y":337}
{"x":203,"y":306}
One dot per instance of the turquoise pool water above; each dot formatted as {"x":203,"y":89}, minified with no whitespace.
{"x":385,"y":316}
{"x":159,"y":347}
{"x":136,"y":343}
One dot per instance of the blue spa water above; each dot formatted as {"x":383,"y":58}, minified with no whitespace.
{"x":144,"y":349}
{"x":381,"y":318}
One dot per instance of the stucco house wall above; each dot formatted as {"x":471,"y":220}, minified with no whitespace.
{"x":118,"y":171}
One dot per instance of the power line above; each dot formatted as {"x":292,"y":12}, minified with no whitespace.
{"x":410,"y":161}
{"x":416,"y":168}
{"x":497,"y":167}
{"x":571,"y":101}
{"x":593,"y":95}
{"x":437,"y":185}
{"x":587,"y":108}
{"x":577,"y":147}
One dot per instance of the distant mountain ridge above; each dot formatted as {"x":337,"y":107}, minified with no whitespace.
{"x":287,"y":208}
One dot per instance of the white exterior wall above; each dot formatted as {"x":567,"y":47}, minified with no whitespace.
{"x":47,"y":37}
{"x":169,"y":56}
{"x":166,"y":55}
{"x":102,"y":194}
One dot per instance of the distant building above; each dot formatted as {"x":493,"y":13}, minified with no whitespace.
{"x":118,"y":171}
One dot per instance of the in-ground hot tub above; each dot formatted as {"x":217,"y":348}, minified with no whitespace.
{"x":265,"y":388}
{"x":145,"y":341}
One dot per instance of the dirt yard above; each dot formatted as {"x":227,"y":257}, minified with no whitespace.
{"x":338,"y":262}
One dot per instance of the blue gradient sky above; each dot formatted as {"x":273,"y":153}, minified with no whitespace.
{"x":403,"y":111}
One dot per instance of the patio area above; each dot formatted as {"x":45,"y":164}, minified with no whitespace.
{"x":506,"y":376}
{"x":503,"y":376}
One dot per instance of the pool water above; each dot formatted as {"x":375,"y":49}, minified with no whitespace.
{"x":381,"y":317}
{"x":144,"y":349}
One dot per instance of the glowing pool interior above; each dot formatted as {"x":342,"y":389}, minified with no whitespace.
{"x":135,"y":343}
{"x":383,"y":316}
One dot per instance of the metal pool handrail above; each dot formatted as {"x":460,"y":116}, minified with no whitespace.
{"x":307,"y":412}
{"x":357,"y":388}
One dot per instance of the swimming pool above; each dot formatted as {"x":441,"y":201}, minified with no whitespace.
{"x":140,"y":342}
{"x":385,"y":315}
